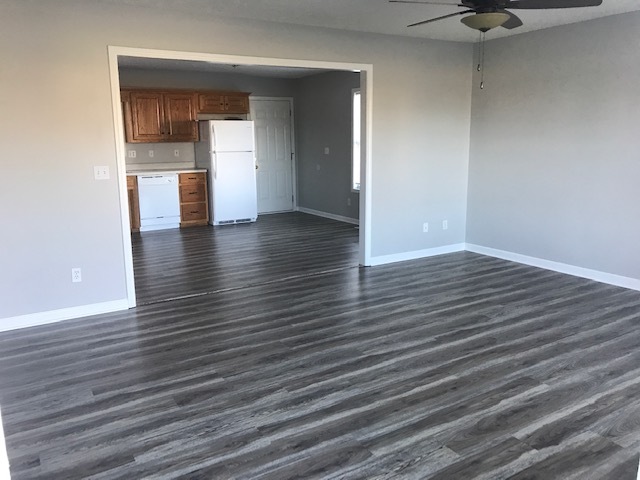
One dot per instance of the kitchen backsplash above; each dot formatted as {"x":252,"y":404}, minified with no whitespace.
{"x":159,"y":155}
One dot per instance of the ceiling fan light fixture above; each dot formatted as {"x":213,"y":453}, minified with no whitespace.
{"x":485,"y":21}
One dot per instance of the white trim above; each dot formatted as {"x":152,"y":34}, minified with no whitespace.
{"x":121,"y":166}
{"x":366,"y":175}
{"x":53,"y":316}
{"x":318,"y":213}
{"x":366,"y":85}
{"x":416,"y":254}
{"x":294,"y":171}
{"x":609,"y":278}
{"x":4,"y":459}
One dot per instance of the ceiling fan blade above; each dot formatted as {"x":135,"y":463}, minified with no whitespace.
{"x":440,"y":18}
{"x":513,"y":22}
{"x":542,"y":4}
{"x":448,"y":4}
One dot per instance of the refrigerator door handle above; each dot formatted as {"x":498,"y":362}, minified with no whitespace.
{"x":214,"y":144}
{"x":215,"y":165}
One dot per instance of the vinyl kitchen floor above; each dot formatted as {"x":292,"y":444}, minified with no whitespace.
{"x":174,"y":263}
{"x":453,"y":367}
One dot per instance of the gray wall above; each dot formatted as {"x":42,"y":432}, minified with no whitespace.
{"x":56,"y":74}
{"x":555,"y":146}
{"x":323,"y":119}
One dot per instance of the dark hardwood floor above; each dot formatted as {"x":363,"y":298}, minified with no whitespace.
{"x":170,"y":264}
{"x":453,"y":367}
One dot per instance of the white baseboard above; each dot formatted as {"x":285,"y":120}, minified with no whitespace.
{"x":416,"y":254}
{"x":53,"y":316}
{"x":610,"y":278}
{"x":4,"y":459}
{"x":318,"y":213}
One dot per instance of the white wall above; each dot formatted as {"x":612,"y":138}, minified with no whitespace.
{"x":56,"y":124}
{"x":555,"y":146}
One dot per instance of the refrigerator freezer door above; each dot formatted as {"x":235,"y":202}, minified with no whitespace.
{"x":232,"y":136}
{"x":234,"y":188}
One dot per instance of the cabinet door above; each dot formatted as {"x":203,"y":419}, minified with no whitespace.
{"x":147,"y":117}
{"x":211,"y":103}
{"x":180,"y":118}
{"x":134,"y":206}
{"x":237,"y":103}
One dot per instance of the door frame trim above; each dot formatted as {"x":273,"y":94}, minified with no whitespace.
{"x":366,"y":85}
{"x":294,"y":158}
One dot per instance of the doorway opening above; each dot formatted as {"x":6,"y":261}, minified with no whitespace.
{"x":365,"y":72}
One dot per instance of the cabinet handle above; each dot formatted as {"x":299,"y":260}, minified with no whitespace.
{"x":197,"y":211}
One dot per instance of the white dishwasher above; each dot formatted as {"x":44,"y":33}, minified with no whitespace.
{"x":159,"y":201}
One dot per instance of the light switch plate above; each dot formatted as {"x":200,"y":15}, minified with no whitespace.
{"x":101,"y":173}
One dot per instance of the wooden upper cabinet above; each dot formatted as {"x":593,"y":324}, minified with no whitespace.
{"x":223,"y":102}
{"x":237,"y":103}
{"x":180,"y":117}
{"x":146,"y":117}
{"x":156,"y":116}
{"x":152,"y":116}
{"x":210,"y":103}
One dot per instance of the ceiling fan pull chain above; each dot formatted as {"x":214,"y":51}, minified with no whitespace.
{"x":479,"y":51}
{"x":481,"y":65}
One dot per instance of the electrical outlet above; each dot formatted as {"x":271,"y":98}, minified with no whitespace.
{"x":76,"y":274}
{"x":445,"y":224}
{"x":101,"y":173}
{"x":318,"y":167}
{"x":326,"y":150}
{"x":131,"y":153}
{"x":150,"y":153}
{"x":425,"y":227}
{"x":176,"y":153}
{"x":348,"y":202}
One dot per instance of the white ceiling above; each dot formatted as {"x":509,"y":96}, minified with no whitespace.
{"x":380,"y":16}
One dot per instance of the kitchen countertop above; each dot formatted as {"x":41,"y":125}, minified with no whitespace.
{"x":156,"y":171}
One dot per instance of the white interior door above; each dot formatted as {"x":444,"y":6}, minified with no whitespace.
{"x":273,"y":131}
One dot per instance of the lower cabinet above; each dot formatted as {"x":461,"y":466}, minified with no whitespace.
{"x":134,"y":203}
{"x":194,"y":205}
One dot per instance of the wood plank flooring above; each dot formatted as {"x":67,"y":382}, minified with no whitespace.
{"x":454,"y":367}
{"x":170,"y":264}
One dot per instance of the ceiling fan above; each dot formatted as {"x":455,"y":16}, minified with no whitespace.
{"x":488,"y":14}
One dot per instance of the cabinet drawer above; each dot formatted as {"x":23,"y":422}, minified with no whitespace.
{"x":190,"y":178}
{"x":193,"y":212}
{"x":192,"y":193}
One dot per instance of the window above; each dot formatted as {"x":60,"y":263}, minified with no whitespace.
{"x":355,"y":140}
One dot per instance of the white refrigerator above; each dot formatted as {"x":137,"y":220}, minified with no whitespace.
{"x":227,"y":150}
